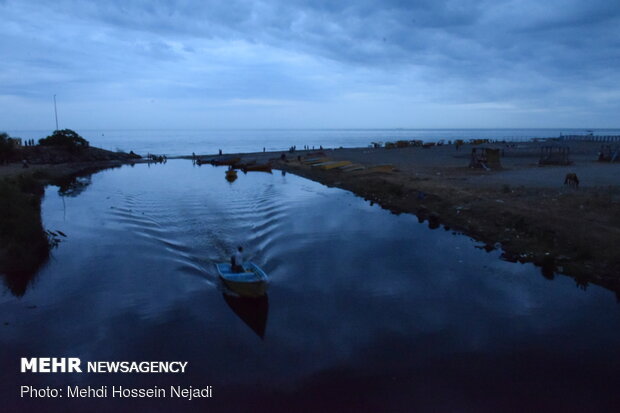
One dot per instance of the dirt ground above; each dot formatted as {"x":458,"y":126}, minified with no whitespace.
{"x":522,"y":208}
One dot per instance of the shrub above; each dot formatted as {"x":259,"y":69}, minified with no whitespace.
{"x":65,"y":138}
{"x":6,"y":147}
{"x":24,"y":245}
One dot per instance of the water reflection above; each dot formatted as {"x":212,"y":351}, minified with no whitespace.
{"x":74,"y":184}
{"x":18,"y":281}
{"x":251,"y":310}
{"x":231,"y":175}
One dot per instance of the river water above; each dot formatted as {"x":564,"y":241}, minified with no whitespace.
{"x":366,"y":310}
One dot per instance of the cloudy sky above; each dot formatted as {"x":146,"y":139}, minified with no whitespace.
{"x":310,"y":63}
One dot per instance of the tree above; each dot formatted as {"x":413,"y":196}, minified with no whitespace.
{"x":65,"y":138}
{"x":6,"y":147}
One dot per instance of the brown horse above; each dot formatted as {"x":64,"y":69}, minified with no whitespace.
{"x":571,"y":180}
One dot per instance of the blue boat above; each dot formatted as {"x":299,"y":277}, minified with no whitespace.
{"x":250,"y":283}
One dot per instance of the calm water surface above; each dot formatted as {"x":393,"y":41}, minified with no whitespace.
{"x":366,"y":311}
{"x":174,"y":142}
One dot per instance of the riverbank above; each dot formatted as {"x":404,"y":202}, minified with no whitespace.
{"x":522,"y":208}
{"x":24,"y":242}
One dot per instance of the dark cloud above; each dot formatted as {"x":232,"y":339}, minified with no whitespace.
{"x":452,"y":51}
{"x":452,"y":37}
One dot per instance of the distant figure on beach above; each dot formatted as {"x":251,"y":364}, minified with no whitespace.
{"x":237,"y":260}
{"x":571,"y":180}
{"x":263,"y":149}
{"x":25,"y":163}
{"x":220,"y":152}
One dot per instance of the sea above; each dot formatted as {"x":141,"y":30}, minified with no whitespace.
{"x":179,"y":142}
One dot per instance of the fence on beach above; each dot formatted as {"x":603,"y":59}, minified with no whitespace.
{"x":591,"y":138}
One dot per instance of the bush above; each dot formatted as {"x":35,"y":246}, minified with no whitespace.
{"x":24,"y":245}
{"x":65,"y":138}
{"x":6,"y":147}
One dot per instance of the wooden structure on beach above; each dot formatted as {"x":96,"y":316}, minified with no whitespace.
{"x":591,"y":138}
{"x":485,"y":158}
{"x":554,"y":155}
{"x":609,"y":154}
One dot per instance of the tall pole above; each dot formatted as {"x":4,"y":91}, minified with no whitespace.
{"x":55,"y":112}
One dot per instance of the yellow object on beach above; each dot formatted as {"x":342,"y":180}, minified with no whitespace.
{"x":336,"y":164}
{"x":353,"y":167}
{"x":314,"y":161}
{"x":321,"y":164}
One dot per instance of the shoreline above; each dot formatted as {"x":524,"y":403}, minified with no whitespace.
{"x":522,"y":208}
{"x":25,"y":243}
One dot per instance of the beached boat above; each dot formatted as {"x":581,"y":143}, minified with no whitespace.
{"x":352,"y":167}
{"x":225,"y":160}
{"x":322,"y":165}
{"x":336,"y":165}
{"x":250,"y":283}
{"x":244,"y":163}
{"x":312,"y":161}
{"x":265,"y":167}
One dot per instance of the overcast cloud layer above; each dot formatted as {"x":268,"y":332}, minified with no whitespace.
{"x":291,"y":63}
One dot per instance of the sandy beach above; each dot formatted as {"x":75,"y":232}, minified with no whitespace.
{"x":523,"y":208}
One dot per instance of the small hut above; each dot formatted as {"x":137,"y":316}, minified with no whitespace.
{"x":485,"y":158}
{"x":554,"y":155}
{"x":609,"y":154}
{"x":15,"y":143}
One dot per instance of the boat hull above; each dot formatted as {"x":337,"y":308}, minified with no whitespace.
{"x":225,"y":161}
{"x":257,"y":168}
{"x":251,"y":283}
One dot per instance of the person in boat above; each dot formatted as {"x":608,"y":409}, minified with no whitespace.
{"x":237,"y":260}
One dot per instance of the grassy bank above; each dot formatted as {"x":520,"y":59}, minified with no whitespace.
{"x":25,"y":244}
